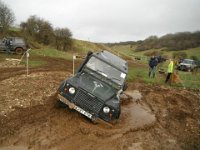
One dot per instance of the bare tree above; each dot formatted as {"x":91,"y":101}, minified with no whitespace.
{"x":6,"y":18}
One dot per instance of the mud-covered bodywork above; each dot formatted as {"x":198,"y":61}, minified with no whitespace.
{"x":13,"y":45}
{"x":94,"y":90}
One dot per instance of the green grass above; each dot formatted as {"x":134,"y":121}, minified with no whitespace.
{"x":136,"y":72}
{"x":189,"y":79}
{"x":141,"y":73}
{"x":192,"y":52}
{"x":130,"y":51}
{"x":4,"y":55}
{"x":124,"y":49}
{"x":34,"y":63}
{"x":84,"y":46}
{"x":49,"y":52}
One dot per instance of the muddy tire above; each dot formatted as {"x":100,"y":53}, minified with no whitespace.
{"x":19,"y":51}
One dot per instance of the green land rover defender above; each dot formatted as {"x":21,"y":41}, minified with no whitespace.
{"x":95,"y":89}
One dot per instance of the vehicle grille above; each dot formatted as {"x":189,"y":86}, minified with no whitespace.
{"x":87,"y":102}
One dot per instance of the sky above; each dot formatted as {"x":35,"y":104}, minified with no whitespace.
{"x":112,"y":20}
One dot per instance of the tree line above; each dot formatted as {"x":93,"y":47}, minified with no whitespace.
{"x":35,"y":29}
{"x":177,"y":41}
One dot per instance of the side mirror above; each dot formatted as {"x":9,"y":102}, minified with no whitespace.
{"x":125,"y":87}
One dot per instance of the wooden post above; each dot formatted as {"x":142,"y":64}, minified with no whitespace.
{"x":27,"y":56}
{"x":74,"y":57}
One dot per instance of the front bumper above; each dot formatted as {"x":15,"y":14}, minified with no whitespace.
{"x":73,"y":106}
{"x":85,"y":113}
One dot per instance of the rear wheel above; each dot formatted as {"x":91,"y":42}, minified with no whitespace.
{"x":19,"y":51}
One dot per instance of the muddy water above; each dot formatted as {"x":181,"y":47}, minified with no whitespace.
{"x":136,"y":116}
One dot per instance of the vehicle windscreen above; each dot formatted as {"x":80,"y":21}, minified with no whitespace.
{"x":187,"y":61}
{"x":96,"y":87}
{"x":106,"y":70}
{"x":18,"y":40}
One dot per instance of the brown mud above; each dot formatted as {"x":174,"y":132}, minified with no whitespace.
{"x":153,"y":117}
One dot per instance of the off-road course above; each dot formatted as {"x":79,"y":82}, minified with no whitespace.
{"x":153,"y":117}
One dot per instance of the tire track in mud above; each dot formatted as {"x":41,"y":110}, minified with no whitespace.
{"x":53,"y":64}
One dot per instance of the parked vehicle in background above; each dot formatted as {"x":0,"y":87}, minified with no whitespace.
{"x":187,"y":65}
{"x":95,"y":89}
{"x":198,"y":63}
{"x":13,"y":45}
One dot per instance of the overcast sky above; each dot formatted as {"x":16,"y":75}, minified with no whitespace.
{"x":113,"y":20}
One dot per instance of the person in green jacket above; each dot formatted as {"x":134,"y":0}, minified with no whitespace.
{"x":170,"y":70}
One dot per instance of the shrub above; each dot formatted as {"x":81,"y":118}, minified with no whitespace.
{"x":194,"y":57}
{"x":180,"y":55}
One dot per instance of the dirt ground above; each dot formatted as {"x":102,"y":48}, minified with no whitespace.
{"x":153,"y":117}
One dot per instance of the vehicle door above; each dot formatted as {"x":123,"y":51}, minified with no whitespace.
{"x":3,"y":44}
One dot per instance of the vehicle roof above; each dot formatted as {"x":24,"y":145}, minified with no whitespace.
{"x":189,"y":59}
{"x":113,"y":60}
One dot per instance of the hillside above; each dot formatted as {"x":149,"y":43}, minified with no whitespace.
{"x":177,"y":41}
{"x":166,"y":45}
{"x":131,"y":50}
{"x":81,"y":46}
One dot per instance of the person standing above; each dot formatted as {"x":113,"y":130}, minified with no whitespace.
{"x":170,"y":70}
{"x":153,"y":62}
{"x":8,"y":44}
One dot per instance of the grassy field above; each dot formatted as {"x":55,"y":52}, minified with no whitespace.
{"x":36,"y":54}
{"x":84,"y":46}
{"x":50,"y":52}
{"x":34,"y":63}
{"x":46,"y":52}
{"x":130,"y":51}
{"x":189,"y":80}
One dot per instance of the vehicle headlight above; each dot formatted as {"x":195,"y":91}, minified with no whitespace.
{"x":72,"y":90}
{"x":106,"y":109}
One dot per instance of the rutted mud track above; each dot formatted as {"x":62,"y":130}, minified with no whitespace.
{"x":153,"y":117}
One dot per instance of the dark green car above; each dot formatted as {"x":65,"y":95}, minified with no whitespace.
{"x":95,"y":89}
{"x":13,"y":45}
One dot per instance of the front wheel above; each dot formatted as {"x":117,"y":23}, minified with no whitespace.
{"x":183,"y":68}
{"x":19,"y":51}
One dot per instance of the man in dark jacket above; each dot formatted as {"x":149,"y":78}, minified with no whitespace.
{"x":152,"y":66}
